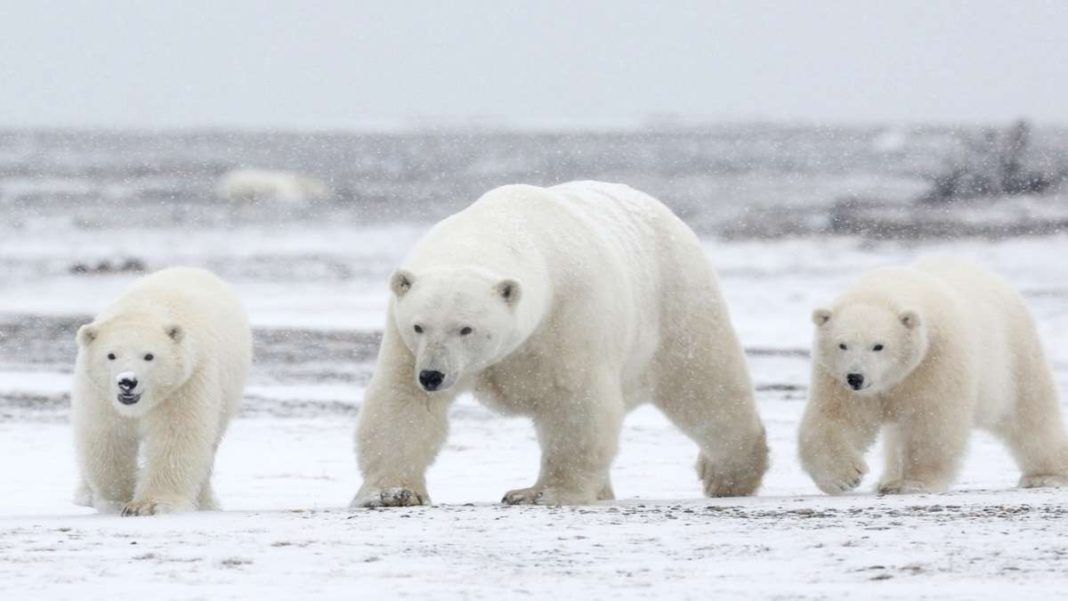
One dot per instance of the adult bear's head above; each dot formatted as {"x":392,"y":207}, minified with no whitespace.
{"x":136,"y":363}
{"x":456,"y":321}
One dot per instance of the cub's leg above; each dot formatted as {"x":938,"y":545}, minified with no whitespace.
{"x":893,"y":451}
{"x":206,"y":500}
{"x":179,"y":439}
{"x":1034,"y":432}
{"x":106,"y":447}
{"x":606,"y":494}
{"x":933,"y":443}
{"x":836,"y":431}
{"x":83,"y":495}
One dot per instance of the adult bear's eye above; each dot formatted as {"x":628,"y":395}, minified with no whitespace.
{"x":149,"y":357}
{"x":111,"y":356}
{"x":877,"y":348}
{"x":418,"y":329}
{"x":464,"y":331}
{"x":843,"y":346}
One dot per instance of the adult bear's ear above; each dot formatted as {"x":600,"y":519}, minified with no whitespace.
{"x":87,"y":334}
{"x":910,"y":318}
{"x":175,"y":332}
{"x":509,"y":290}
{"x":401,"y":282}
{"x":821,"y":316}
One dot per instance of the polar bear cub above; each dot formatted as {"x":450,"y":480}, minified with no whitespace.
{"x":159,"y":374}
{"x":570,"y":305}
{"x":925,"y":352}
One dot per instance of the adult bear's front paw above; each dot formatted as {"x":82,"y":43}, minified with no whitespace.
{"x":526,"y":496}
{"x":389,"y":497}
{"x":545,"y":496}
{"x":154,"y":506}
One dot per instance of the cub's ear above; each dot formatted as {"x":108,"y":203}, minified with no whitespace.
{"x":175,"y":332}
{"x":910,"y":318}
{"x":821,"y":316}
{"x":87,"y":334}
{"x":510,"y":290}
{"x":401,"y":282}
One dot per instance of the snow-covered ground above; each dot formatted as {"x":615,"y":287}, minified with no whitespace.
{"x":286,"y":471}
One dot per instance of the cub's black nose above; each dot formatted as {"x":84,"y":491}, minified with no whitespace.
{"x":127,"y":384}
{"x":431,"y":380}
{"x":855,"y":381}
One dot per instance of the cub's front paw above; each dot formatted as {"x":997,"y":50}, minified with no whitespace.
{"x":389,"y":497}
{"x":1044,"y":481}
{"x":840,"y":477}
{"x":155,"y":506}
{"x":902,"y":487}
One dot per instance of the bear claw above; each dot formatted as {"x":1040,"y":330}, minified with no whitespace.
{"x":154,"y":507}
{"x":837,"y":484}
{"x":524,"y":496}
{"x":390,"y":497}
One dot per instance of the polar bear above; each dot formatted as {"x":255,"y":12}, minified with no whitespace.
{"x":159,"y":372}
{"x":925,"y":352}
{"x":286,"y":187}
{"x":570,"y":305}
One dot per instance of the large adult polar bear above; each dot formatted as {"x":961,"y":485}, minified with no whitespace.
{"x":926,"y":352}
{"x":160,"y":371}
{"x":571,"y":305}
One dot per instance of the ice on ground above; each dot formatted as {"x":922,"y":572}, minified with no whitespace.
{"x":286,"y":533}
{"x":287,"y":470}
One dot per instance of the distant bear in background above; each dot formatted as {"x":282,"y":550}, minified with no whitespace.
{"x":263,"y":185}
{"x":927,"y":351}
{"x":571,"y":305}
{"x":160,"y":371}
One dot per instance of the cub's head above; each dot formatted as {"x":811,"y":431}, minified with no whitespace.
{"x":455,"y":322}
{"x":868,"y":348}
{"x":136,"y":364}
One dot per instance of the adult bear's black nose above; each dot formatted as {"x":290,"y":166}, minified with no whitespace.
{"x":855,"y":381}
{"x":431,"y":379}
{"x":127,"y":384}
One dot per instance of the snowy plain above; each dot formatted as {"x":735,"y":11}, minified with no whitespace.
{"x":286,"y":470}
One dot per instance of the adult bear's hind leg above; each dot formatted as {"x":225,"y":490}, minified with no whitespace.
{"x":709,"y":397}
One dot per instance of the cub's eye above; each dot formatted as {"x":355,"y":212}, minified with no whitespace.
{"x":877,"y":348}
{"x":843,"y":346}
{"x":418,"y":329}
{"x":464,"y":331}
{"x":111,"y":356}
{"x":149,"y":357}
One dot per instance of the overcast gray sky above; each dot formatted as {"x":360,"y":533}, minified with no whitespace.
{"x":279,"y":64}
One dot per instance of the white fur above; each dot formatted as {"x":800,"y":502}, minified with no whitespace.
{"x":584,"y":300}
{"x":198,"y":335}
{"x":253,"y":185}
{"x":960,"y":349}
